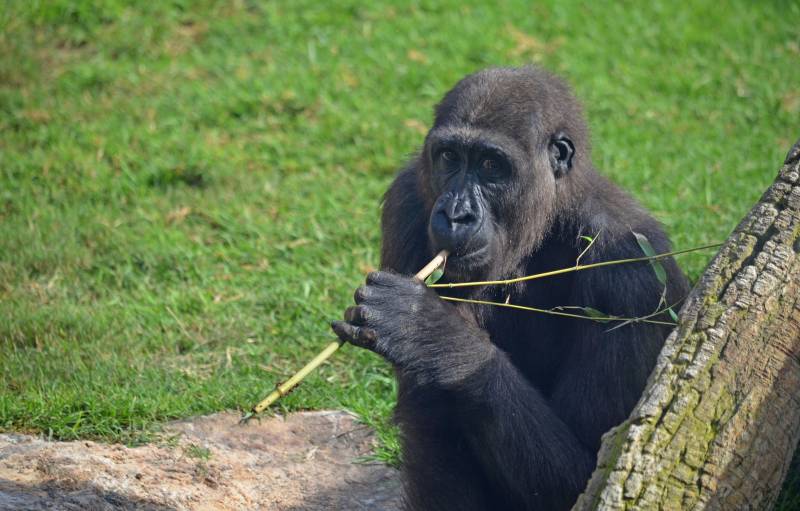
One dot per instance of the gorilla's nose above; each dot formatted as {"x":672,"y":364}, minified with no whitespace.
{"x":460,"y":217}
{"x":453,"y":225}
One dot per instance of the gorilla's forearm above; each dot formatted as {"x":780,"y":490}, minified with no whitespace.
{"x":516,"y":437}
{"x":516,"y":434}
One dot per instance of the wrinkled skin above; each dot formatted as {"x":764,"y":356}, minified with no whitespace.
{"x":392,"y":309}
{"x":501,"y":409}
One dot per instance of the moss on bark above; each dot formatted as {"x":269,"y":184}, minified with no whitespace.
{"x":720,"y":417}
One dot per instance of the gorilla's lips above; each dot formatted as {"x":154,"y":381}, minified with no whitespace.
{"x":469,"y":262}
{"x":470,"y":254}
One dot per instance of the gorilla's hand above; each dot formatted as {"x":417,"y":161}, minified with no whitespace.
{"x":410,"y":326}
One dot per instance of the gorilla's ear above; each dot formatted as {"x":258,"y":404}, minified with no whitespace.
{"x":561,"y":152}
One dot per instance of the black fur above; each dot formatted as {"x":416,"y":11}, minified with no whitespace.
{"x":502,"y":409}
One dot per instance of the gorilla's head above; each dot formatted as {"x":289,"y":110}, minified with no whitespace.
{"x":499,"y":165}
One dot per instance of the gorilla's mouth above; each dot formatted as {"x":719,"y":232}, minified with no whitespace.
{"x":467,"y":263}
{"x":469,"y":253}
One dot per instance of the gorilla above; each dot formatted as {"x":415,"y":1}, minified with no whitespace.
{"x":498,"y":408}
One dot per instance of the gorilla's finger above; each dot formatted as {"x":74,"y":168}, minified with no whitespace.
{"x":361,"y":294}
{"x":395,"y":281}
{"x":359,"y":336}
{"x":344,"y":330}
{"x":383,"y":278}
{"x":366,"y":338}
{"x":356,"y":315}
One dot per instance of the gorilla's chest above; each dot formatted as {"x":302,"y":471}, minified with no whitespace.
{"x":536,"y":343}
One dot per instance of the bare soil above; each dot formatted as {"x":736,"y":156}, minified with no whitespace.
{"x":305,"y":461}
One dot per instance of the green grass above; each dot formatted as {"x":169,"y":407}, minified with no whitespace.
{"x":189,"y":191}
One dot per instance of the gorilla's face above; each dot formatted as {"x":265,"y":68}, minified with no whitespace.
{"x":492,"y":165}
{"x":470,"y":174}
{"x":491,"y":195}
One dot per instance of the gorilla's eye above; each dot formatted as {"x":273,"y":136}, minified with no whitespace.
{"x":449,"y":156}
{"x":490,"y":165}
{"x":494,"y":166}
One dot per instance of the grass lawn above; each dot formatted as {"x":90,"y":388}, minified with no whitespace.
{"x":189,"y":191}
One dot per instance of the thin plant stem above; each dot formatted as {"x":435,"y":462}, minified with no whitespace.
{"x":571,"y":269}
{"x":556,"y":313}
{"x":647,"y":317}
{"x":591,"y":243}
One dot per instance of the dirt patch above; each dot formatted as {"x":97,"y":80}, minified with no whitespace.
{"x":305,"y":461}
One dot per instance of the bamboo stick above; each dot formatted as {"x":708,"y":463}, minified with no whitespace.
{"x":285,"y":387}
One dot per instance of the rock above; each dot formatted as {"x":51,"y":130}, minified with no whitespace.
{"x":305,"y":461}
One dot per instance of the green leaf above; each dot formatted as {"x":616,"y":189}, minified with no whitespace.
{"x":587,"y":238}
{"x":647,"y":248}
{"x":596,"y":314}
{"x":672,"y":314}
{"x":644,"y":244}
{"x":435,"y":276}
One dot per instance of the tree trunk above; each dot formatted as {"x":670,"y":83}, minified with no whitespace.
{"x":720,"y":416}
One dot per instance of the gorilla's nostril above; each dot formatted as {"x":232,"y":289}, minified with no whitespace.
{"x":463,"y":218}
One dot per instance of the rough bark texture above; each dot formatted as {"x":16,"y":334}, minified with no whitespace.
{"x":720,"y":417}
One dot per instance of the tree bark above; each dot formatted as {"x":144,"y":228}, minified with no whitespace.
{"x":719,"y":419}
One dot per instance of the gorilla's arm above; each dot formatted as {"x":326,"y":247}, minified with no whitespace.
{"x":521,"y":443}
